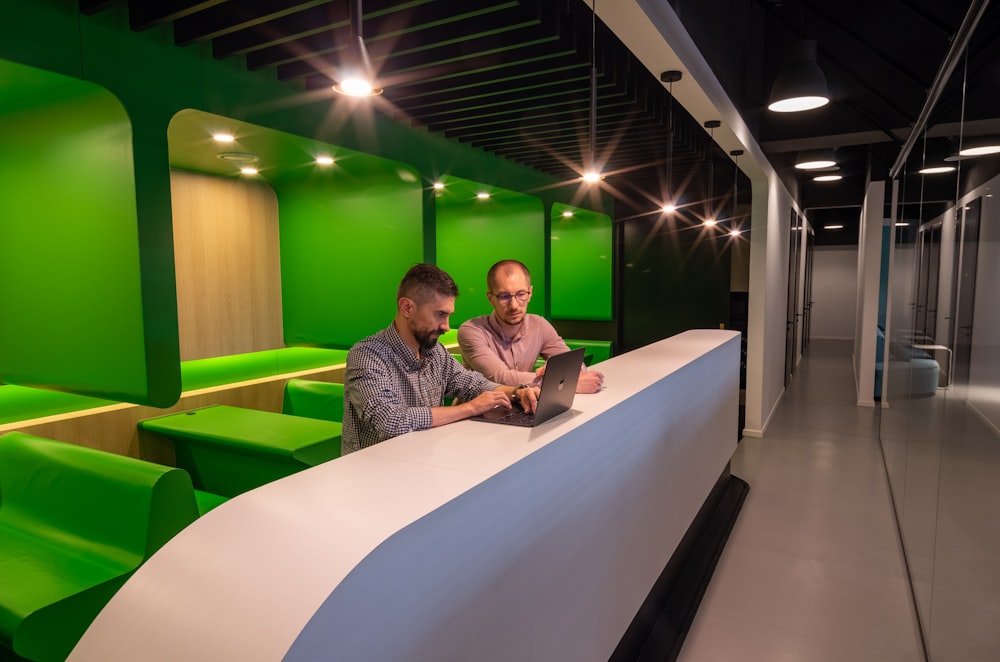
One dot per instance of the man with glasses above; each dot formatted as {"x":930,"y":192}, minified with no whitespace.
{"x":505,"y":344}
{"x":396,"y":380}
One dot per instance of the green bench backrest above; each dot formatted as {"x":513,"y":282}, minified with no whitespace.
{"x":118,"y":506}
{"x":314,"y":399}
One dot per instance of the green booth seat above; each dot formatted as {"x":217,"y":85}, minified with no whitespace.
{"x":216,"y":371}
{"x":22,"y":403}
{"x":230,"y":450}
{"x":596,"y":350}
{"x":314,"y":399}
{"x":75,"y":523}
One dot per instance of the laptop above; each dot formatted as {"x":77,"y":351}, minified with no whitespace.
{"x":562,"y":372}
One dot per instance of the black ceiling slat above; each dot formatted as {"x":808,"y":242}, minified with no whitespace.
{"x":222,"y":20}
{"x":307,"y":21}
{"x":143,"y":14}
{"x":389,"y":37}
{"x":531,"y":42}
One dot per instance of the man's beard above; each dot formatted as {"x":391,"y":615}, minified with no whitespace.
{"x":426,"y":339}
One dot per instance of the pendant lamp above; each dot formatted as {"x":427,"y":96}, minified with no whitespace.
{"x":592,"y":173}
{"x":801,"y":84}
{"x":357,"y":74}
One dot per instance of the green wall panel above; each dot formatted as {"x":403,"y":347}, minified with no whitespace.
{"x":344,"y":250}
{"x":474,"y":234}
{"x":72,"y":314}
{"x":581,"y":264}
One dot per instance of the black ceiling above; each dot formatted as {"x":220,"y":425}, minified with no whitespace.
{"x":513,"y":78}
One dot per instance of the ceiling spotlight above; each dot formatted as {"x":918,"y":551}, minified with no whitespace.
{"x":223,"y":137}
{"x":324,"y":160}
{"x":828,"y":178}
{"x":567,"y":214}
{"x":936,"y":170}
{"x":815,"y":160}
{"x":801,"y":85}
{"x":668,"y":209}
{"x":248,"y":170}
{"x":593,"y":172}
{"x":833,"y":227}
{"x":438,"y":186}
{"x":710,"y":222}
{"x":357,"y":80}
{"x":483,"y":195}
{"x":735,"y":233}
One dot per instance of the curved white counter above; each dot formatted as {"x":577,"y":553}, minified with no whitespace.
{"x":472,"y":541}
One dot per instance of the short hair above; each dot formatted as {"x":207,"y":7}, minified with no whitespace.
{"x":423,"y":282}
{"x":504,"y":265}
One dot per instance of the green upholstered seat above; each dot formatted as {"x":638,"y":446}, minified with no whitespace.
{"x":215,"y":371}
{"x":75,"y":522}
{"x":21,"y":403}
{"x":314,"y":399}
{"x":230,"y":450}
{"x":596,"y":350}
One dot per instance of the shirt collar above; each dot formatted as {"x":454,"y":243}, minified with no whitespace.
{"x":498,"y":326}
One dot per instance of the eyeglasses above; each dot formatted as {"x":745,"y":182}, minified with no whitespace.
{"x":505,"y":298}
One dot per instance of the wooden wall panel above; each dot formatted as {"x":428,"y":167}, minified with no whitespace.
{"x":228,"y":265}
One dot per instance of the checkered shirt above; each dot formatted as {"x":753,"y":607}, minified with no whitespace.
{"x":388,"y":391}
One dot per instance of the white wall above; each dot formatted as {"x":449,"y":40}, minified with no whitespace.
{"x":835,"y":277}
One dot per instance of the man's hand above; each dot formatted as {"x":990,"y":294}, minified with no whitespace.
{"x":528,"y":397}
{"x":488,"y":400}
{"x":591,"y":381}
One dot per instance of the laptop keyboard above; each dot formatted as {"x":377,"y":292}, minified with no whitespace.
{"x":515,"y":415}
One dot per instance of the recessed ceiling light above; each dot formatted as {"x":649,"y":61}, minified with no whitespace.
{"x":828,"y":178}
{"x":710,"y":222}
{"x":902,"y":224}
{"x":483,"y":195}
{"x":735,"y":233}
{"x":237,"y":157}
{"x":438,"y":186}
{"x":668,"y":209}
{"x":936,"y":170}
{"x":592,"y":176}
{"x":833,"y":227}
{"x":324,"y":160}
{"x":223,"y":137}
{"x":248,"y":170}
{"x":815,"y":165}
{"x":567,"y":214}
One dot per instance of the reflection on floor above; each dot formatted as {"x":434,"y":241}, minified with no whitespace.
{"x":813,"y":570}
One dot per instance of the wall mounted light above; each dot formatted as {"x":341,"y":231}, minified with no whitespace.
{"x":357,"y":73}
{"x":801,"y":84}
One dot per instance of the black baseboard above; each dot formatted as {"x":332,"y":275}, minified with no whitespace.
{"x":659,"y":628}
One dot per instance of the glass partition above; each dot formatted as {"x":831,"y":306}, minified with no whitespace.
{"x":940,"y":416}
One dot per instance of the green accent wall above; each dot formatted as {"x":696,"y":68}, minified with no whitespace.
{"x":582,"y":264}
{"x":88,"y":298}
{"x":74,"y":312}
{"x":473,"y":234}
{"x":344,"y":250}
